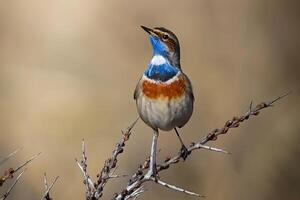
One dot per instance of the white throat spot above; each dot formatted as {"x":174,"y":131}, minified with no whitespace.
{"x":158,"y":60}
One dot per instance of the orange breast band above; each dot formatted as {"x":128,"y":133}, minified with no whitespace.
{"x":171,"y":91}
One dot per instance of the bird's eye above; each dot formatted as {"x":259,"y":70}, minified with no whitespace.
{"x":165,"y":37}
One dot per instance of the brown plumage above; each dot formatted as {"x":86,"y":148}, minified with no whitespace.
{"x":170,"y":91}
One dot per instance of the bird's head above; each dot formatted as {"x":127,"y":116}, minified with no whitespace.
{"x":164,"y":43}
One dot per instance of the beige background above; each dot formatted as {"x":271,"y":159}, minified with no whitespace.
{"x":68,"y":70}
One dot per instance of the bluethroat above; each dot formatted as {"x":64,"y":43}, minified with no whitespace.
{"x":164,"y":95}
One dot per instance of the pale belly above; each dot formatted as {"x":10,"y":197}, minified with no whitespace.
{"x":165,"y":114}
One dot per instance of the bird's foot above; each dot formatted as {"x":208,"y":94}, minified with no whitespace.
{"x":184,"y":152}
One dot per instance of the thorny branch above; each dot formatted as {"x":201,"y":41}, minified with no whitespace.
{"x":135,"y":185}
{"x":9,"y":173}
{"x":46,"y":195}
{"x":94,"y":190}
{"x":83,"y":167}
{"x":12,"y":186}
{"x":6,"y":158}
{"x":233,"y":123}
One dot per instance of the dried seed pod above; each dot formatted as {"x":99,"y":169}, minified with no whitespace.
{"x":235,"y":118}
{"x":192,"y":144}
{"x":236,"y":125}
{"x":167,"y":158}
{"x":225,"y":129}
{"x":211,"y":136}
{"x":228,"y":123}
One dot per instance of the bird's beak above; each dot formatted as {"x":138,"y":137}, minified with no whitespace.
{"x":150,"y":31}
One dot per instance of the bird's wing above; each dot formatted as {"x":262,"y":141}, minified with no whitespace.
{"x":137,"y":91}
{"x":189,"y":87}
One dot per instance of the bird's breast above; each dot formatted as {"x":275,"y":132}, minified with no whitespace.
{"x":171,"y":89}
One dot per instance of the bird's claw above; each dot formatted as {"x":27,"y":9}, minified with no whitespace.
{"x":154,"y":174}
{"x":184,"y":152}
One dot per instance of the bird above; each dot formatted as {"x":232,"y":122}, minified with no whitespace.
{"x":164,"y":94}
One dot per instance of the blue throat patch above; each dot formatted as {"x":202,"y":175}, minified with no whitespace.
{"x":159,"y":48}
{"x":161,"y":72}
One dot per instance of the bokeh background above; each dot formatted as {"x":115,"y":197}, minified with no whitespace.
{"x":68,"y":70}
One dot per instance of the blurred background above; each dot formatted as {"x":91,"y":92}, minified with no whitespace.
{"x":68,"y":70}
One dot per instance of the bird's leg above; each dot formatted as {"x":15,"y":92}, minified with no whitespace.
{"x":183,"y":151}
{"x":152,"y":168}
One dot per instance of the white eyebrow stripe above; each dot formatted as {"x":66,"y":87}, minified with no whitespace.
{"x":158,"y":60}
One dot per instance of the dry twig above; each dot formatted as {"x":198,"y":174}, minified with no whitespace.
{"x":12,"y":186}
{"x":6,"y":158}
{"x":83,"y":167}
{"x":138,"y":178}
{"x":9,"y":174}
{"x":46,"y":195}
{"x":94,"y":190}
